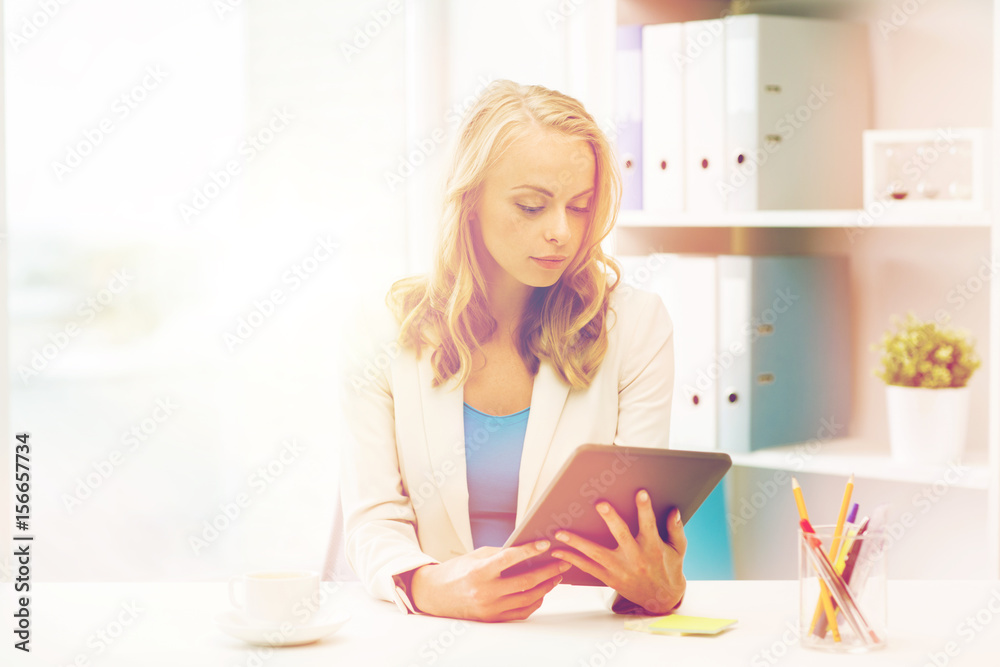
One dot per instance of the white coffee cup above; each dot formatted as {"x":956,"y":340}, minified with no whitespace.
{"x":273,"y":596}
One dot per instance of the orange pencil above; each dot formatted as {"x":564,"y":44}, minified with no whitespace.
{"x":824,"y":593}
{"x":838,"y":533}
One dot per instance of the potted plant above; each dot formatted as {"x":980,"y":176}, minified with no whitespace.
{"x":926,"y":369}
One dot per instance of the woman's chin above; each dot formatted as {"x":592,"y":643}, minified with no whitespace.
{"x":543,"y":281}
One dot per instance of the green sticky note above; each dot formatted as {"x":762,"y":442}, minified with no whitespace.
{"x":690,"y":625}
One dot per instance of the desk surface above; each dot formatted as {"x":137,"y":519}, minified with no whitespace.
{"x":174,"y":626}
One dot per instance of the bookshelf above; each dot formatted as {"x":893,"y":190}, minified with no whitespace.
{"x":866,"y":460}
{"x":928,"y":73}
{"x":844,"y":218}
{"x":930,"y":247}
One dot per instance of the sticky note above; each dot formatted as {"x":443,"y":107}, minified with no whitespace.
{"x":684,"y":625}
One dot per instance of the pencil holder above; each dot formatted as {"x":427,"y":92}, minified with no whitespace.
{"x":849,"y":588}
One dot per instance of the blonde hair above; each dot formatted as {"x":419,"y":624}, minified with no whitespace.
{"x":448,"y":310}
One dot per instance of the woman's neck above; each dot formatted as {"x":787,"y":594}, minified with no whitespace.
{"x":508,"y":303}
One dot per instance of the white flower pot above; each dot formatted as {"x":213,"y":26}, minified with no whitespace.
{"x":927,"y":425}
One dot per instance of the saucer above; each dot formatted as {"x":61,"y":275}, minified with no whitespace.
{"x":261,"y":633}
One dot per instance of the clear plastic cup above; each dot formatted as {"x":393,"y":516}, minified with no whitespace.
{"x":854,"y":585}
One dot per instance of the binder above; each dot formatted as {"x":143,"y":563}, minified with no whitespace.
{"x":629,"y":114}
{"x":766,"y":112}
{"x":797,"y":101}
{"x":663,"y":111}
{"x":784,"y":350}
{"x":704,"y":65}
{"x":687,"y":285}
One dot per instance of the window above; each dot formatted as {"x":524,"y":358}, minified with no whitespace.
{"x":195,"y":196}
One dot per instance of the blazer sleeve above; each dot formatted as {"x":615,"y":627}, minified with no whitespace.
{"x":646,"y":372}
{"x":380,"y":537}
{"x":645,"y":388}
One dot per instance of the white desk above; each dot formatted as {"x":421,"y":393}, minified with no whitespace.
{"x":174,"y":626}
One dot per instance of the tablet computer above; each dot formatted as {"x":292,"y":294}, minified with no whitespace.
{"x":673,"y":478}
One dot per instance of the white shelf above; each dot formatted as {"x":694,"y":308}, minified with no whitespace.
{"x":898,"y":104}
{"x":866,"y":460}
{"x":911,"y":217}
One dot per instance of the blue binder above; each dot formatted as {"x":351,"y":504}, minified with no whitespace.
{"x":784,"y":350}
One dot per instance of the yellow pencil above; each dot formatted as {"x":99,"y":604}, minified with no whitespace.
{"x":824,"y":593}
{"x":838,"y":532}
{"x":845,"y":548}
{"x":824,"y":597}
{"x":799,"y":500}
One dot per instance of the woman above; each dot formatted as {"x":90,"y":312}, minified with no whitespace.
{"x":515,"y":350}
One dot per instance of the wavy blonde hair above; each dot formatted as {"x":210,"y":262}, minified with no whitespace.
{"x":448,"y":311}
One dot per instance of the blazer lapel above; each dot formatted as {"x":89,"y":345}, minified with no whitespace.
{"x":548,"y":396}
{"x":444,"y":430}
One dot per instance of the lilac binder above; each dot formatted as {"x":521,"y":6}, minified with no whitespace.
{"x":628,"y":114}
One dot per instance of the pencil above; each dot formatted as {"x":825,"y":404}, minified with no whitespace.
{"x":841,"y":591}
{"x":851,"y":560}
{"x":838,"y":532}
{"x":824,"y":593}
{"x":799,"y":500}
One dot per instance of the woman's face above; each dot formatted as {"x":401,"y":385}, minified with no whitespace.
{"x":534,"y":209}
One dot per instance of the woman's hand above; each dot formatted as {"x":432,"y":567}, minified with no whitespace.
{"x":643,"y":569}
{"x":470,"y":586}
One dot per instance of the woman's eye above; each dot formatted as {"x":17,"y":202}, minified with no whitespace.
{"x":580,"y":209}
{"x":530,"y":209}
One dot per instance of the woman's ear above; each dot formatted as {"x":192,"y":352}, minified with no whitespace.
{"x":473,"y":222}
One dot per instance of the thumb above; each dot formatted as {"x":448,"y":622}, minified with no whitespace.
{"x":675,"y":531}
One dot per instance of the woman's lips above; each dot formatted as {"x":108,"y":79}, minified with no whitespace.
{"x":551,"y":262}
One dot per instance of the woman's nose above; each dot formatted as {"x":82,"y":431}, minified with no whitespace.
{"x":558,"y":230}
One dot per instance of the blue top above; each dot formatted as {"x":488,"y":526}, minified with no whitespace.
{"x":493,"y":460}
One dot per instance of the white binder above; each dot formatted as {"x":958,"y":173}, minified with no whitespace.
{"x":771,"y":116}
{"x":663,"y":117}
{"x":797,"y":101}
{"x":687,"y":285}
{"x":734,"y":338}
{"x":705,"y":167}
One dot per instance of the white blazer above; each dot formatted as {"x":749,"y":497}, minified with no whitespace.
{"x":403,"y":476}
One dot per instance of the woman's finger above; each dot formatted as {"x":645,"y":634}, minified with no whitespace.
{"x":675,"y":531}
{"x":587,"y":565}
{"x":528,"y":580}
{"x":530,"y":596}
{"x":595,"y":552}
{"x":509,"y":556}
{"x":619,"y":529}
{"x":521,"y":613}
{"x":647,"y":518}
